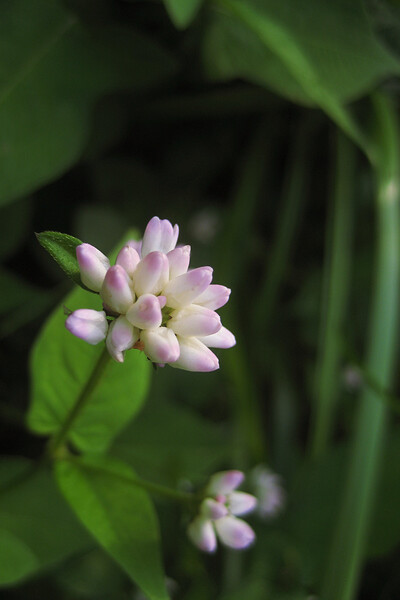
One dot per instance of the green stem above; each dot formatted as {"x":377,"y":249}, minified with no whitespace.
{"x":288,"y":219}
{"x":346,"y":557}
{"x":334,"y":304}
{"x":58,"y":440}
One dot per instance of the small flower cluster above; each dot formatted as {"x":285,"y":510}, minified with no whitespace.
{"x":269,"y":492}
{"x":152,"y":302}
{"x":218,"y":514}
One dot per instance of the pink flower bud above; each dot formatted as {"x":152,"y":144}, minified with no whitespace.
{"x":234,"y":532}
{"x":214,"y":296}
{"x":195,"y":356}
{"x":121,"y":337}
{"x":178,"y":259}
{"x":201,"y":533}
{"x":222,"y":339}
{"x":93,"y":266}
{"x":211,"y":509}
{"x":151,"y":274}
{"x":88,"y":325}
{"x":183,"y":290}
{"x":194,"y":321}
{"x":116,"y":291}
{"x":160,"y":345}
{"x":241,"y":503}
{"x":224,"y":482}
{"x":136,"y":245}
{"x":128,"y":258}
{"x":145,"y":313}
{"x":159,"y":236}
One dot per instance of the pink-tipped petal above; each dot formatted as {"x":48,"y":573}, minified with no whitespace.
{"x":121,"y":337}
{"x":241,"y":503}
{"x":178,"y":259}
{"x":116,"y":291}
{"x":211,"y":509}
{"x":128,"y":258}
{"x":160,"y":345}
{"x":195,"y":356}
{"x":194,"y":320}
{"x":159,"y":236}
{"x":145,"y":313}
{"x":222,"y":339}
{"x":93,"y":266}
{"x":201,"y":533}
{"x":151,"y":274}
{"x":183,"y":290}
{"x":225,"y":482}
{"x":136,"y":245}
{"x":162,"y":301}
{"x":234,"y":532}
{"x":88,"y":325}
{"x":214,"y":296}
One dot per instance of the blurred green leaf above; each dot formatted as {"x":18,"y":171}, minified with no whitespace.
{"x":62,"y":364}
{"x":37,"y":530}
{"x":51,"y":71}
{"x":311,"y":51}
{"x":62,"y":248}
{"x":119,"y":514}
{"x":170,"y":442}
{"x":14,"y":224}
{"x":20,"y":302}
{"x":182,"y":12}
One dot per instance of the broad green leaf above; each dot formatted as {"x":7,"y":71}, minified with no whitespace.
{"x":37,"y":529}
{"x":313,"y":51}
{"x":62,"y":248}
{"x":182,"y":12}
{"x":119,"y":514}
{"x":61,"y":366}
{"x":52,"y":69}
{"x":171,"y":443}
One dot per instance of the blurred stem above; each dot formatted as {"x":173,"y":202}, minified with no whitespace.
{"x":287,"y":222}
{"x":349,"y":537}
{"x":250,"y":443}
{"x":59,"y":439}
{"x":335,"y":294}
{"x":234,"y":257}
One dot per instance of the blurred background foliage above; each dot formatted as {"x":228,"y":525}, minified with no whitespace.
{"x":251,"y":124}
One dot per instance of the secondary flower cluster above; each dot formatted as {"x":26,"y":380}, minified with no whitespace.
{"x":218,"y":514}
{"x":153,"y":301}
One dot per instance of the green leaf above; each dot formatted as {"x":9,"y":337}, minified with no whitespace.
{"x":20,"y":302}
{"x":61,"y":366}
{"x":37,"y":530}
{"x":62,"y":248}
{"x":52,"y":69}
{"x":312,"y":51}
{"x":182,"y":12}
{"x":169,"y":443}
{"x":119,"y":514}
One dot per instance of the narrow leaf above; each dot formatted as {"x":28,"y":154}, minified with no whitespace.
{"x":119,"y":514}
{"x":62,"y":248}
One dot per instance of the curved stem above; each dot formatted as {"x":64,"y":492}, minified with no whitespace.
{"x":58,"y":440}
{"x":349,"y":538}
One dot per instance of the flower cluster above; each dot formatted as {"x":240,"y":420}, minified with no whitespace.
{"x":152,"y":302}
{"x":218,"y":514}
